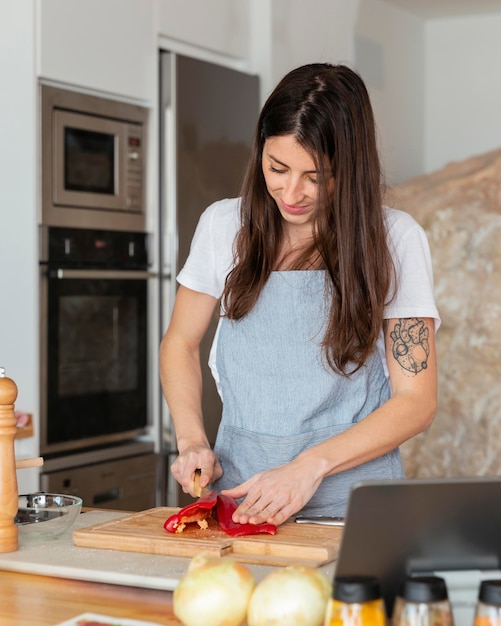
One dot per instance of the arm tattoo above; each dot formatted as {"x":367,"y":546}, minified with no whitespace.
{"x":410,"y":346}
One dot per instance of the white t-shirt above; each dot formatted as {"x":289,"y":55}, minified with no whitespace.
{"x":211,"y":259}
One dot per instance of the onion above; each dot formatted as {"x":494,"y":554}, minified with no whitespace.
{"x":291,"y":596}
{"x":214,"y":591}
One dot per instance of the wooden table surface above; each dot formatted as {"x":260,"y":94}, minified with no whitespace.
{"x":30,"y":600}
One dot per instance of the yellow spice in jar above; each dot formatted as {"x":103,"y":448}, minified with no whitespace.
{"x":369,"y":613}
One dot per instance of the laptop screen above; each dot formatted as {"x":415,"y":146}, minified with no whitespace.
{"x":396,"y":528}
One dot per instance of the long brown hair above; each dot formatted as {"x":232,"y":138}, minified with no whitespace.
{"x":327,"y":109}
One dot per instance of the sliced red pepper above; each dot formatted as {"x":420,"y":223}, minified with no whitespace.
{"x":194,"y":512}
{"x":225,"y":507}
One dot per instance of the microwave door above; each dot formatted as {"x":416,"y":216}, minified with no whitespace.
{"x":90,"y":161}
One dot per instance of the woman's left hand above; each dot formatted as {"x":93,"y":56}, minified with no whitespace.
{"x":275,"y":495}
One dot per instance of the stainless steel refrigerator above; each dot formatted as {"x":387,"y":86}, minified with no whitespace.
{"x":207,"y":118}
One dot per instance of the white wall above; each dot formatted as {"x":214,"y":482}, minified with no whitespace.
{"x":463,"y":88}
{"x":310,"y":32}
{"x":437,"y":94}
{"x":389,"y":54}
{"x":18,"y":211}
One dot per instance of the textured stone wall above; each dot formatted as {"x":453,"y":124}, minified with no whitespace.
{"x":460,"y":208}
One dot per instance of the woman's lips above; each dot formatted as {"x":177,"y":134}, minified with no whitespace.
{"x":293,"y":209}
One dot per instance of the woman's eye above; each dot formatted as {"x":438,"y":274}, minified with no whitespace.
{"x":313,"y":180}
{"x":275,"y":170}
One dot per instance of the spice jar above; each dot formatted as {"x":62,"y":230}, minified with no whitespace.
{"x":422,"y":601}
{"x":488,"y":610}
{"x":356,"y":601}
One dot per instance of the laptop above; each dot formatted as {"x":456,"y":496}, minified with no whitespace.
{"x":396,"y":528}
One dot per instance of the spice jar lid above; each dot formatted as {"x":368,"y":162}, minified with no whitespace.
{"x":423,"y":589}
{"x":490,"y":592}
{"x":356,"y":588}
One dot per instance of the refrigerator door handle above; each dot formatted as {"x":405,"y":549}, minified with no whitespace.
{"x":170,"y":251}
{"x":169,"y":169}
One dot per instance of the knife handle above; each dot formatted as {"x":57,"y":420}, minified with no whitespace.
{"x":199,"y":491}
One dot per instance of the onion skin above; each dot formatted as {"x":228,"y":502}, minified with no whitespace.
{"x":214,"y":591}
{"x":290,"y":596}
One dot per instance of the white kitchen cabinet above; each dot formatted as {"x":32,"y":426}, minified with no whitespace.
{"x":220,"y":27}
{"x":104,"y":46}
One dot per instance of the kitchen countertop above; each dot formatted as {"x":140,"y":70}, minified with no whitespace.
{"x":61,"y":558}
{"x":54,"y":581}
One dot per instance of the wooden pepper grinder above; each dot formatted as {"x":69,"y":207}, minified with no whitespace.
{"x":8,"y":478}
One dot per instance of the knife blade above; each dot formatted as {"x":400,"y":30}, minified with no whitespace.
{"x":320,"y":519}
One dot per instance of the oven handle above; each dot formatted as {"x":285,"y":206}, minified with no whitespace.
{"x":62,"y":273}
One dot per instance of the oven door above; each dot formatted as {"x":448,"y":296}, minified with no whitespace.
{"x":94,"y":357}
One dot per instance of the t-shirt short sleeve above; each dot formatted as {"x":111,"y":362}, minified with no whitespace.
{"x":414,"y":296}
{"x":211,"y":252}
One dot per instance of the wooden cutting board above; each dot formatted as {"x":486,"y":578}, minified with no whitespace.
{"x":304,"y":544}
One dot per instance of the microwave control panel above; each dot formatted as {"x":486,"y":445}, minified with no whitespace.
{"x":135,"y":167}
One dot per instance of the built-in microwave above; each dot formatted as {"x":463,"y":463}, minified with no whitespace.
{"x":93,"y":165}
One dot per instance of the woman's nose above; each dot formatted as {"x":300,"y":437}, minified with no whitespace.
{"x":293,"y":190}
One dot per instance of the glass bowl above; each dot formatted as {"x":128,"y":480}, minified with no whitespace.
{"x":45,"y":516}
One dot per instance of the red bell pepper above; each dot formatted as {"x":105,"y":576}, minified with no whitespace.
{"x":225,"y":506}
{"x":195,"y":512}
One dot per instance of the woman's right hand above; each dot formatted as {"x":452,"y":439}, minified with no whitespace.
{"x":184,"y":467}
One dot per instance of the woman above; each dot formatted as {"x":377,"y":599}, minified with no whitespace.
{"x":324,"y":354}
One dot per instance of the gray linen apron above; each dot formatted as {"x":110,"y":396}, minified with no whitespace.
{"x":280,"y":397}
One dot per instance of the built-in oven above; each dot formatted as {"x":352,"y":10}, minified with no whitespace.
{"x":96,"y":434}
{"x":93,"y":367}
{"x":94,"y":319}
